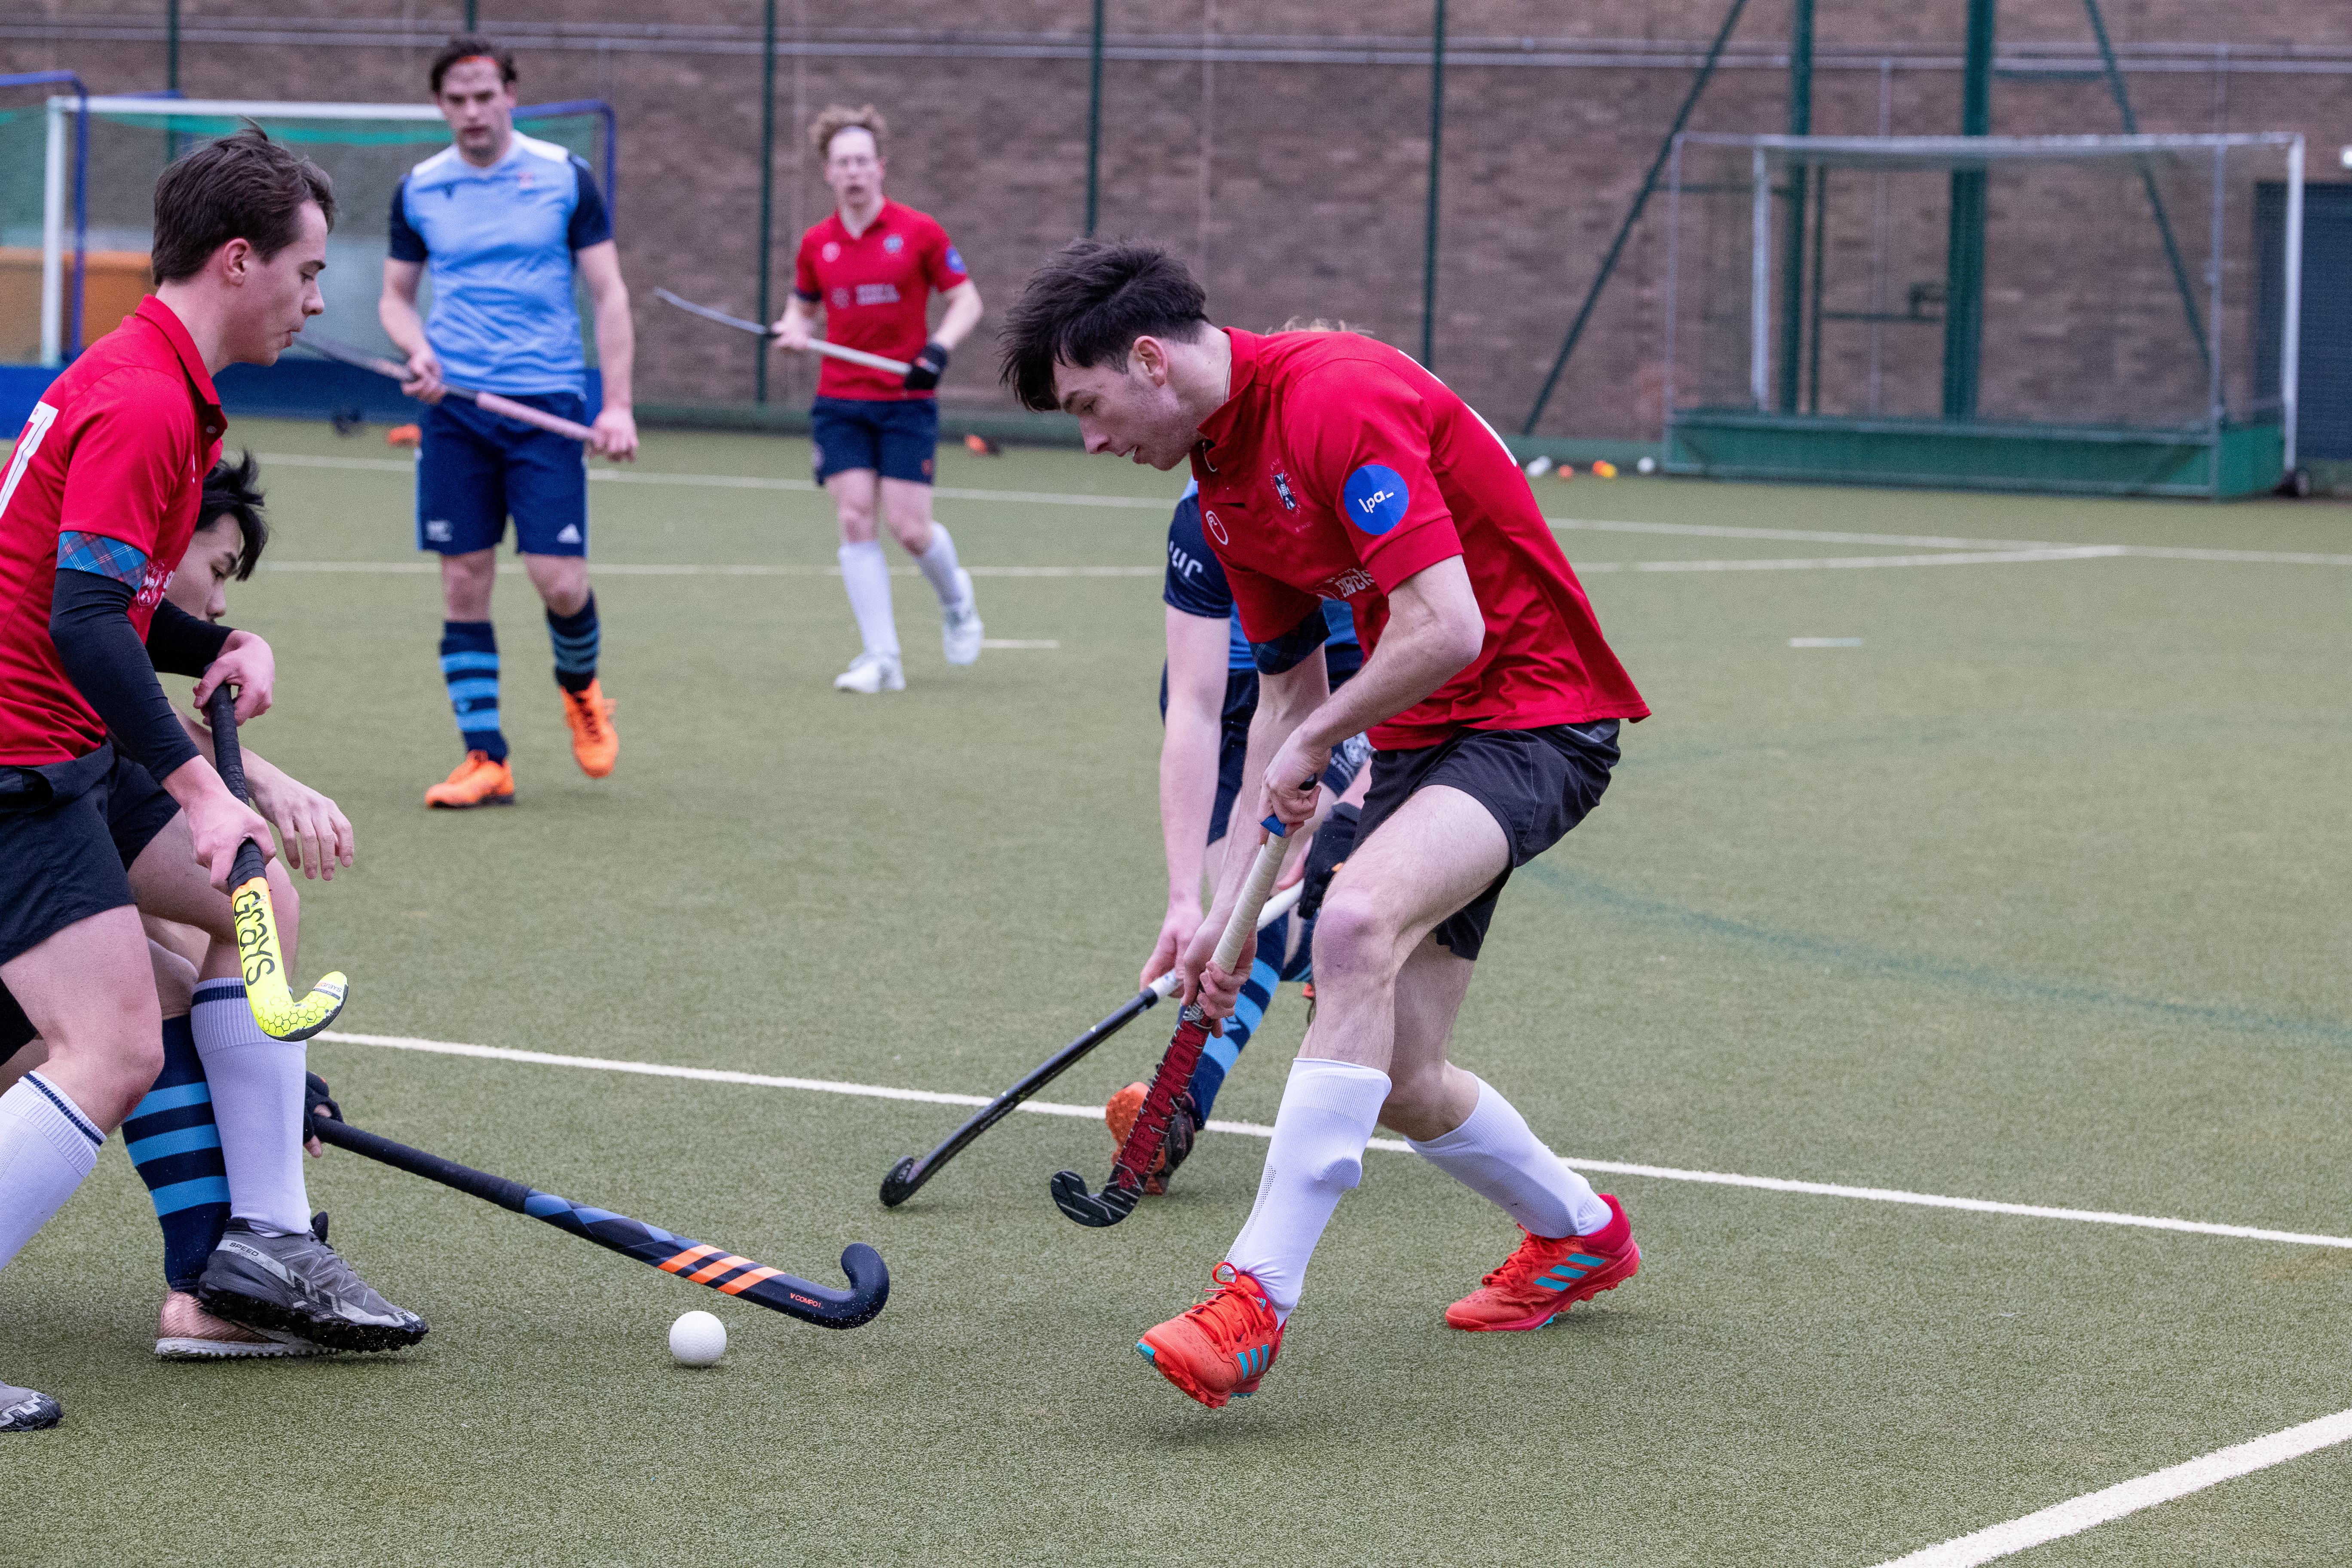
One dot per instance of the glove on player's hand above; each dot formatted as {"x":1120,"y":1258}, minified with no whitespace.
{"x":928,"y":366}
{"x":316,"y":1098}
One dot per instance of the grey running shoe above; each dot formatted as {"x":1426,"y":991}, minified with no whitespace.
{"x":185,"y":1331}
{"x":22,"y":1410}
{"x":298,"y":1285}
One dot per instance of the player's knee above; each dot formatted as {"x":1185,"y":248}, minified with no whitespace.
{"x":1352,"y":936}
{"x":121,"y":1035}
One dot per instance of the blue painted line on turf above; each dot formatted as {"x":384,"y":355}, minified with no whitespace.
{"x":2011,"y":986}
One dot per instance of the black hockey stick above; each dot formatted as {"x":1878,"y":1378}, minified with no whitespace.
{"x":258,"y":953}
{"x":908,"y":1175}
{"x":1149,"y":1136}
{"x":869,"y":1279}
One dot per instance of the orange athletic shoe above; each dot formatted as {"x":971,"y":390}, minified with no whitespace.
{"x":1119,"y":1115}
{"x":1218,"y":1349}
{"x":595,"y":744}
{"x":1547,"y":1275}
{"x":478,"y":781}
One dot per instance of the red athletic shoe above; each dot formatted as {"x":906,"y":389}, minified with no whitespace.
{"x":1217,"y":1349}
{"x":1545,"y":1276}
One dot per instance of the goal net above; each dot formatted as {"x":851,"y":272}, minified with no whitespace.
{"x":77,"y":200}
{"x":2135,"y":294}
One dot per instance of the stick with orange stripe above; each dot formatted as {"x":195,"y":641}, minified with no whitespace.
{"x":869,"y":1280}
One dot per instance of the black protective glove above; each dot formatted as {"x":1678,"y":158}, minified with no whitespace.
{"x":317,"y":1097}
{"x":928,"y":366}
{"x":1333,"y":842}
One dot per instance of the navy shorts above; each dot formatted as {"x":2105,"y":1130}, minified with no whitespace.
{"x":1537,"y":783}
{"x":69,"y":833}
{"x":475,"y":470}
{"x":896,"y":439}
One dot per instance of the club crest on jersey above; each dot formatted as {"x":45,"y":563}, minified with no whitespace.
{"x":1282,"y":490}
{"x":841,"y":296}
{"x":895,"y":243}
{"x":1216,"y":529}
{"x":832,"y":250}
{"x":1375,"y":499}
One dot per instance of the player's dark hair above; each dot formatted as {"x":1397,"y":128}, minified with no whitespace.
{"x":1087,"y":307}
{"x":473,"y":46}
{"x":242,"y":186}
{"x":232,"y":490}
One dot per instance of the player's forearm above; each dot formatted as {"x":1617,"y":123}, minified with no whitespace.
{"x":401,"y":322}
{"x":1188,"y":794}
{"x":262,"y":779}
{"x":616,"y":345}
{"x":962,"y":315}
{"x":1434,"y":630}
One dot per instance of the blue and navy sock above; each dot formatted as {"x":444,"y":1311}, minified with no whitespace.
{"x":575,"y":639}
{"x":470,"y":663}
{"x":1249,"y":1012}
{"x":176,"y":1151}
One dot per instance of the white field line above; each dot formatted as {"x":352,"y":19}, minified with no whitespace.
{"x":1391,"y":1145}
{"x":2078,"y":1514}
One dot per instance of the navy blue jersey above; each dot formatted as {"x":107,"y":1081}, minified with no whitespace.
{"x":1196,"y":586}
{"x":501,"y":242}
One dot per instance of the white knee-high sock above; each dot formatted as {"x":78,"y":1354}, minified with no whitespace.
{"x":1495,"y":1155}
{"x":257,"y":1087}
{"x":47,"y":1147}
{"x":867,"y":576}
{"x":938,"y":564}
{"x":1329,"y":1111}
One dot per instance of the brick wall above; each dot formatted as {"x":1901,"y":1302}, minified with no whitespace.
{"x":1295,"y":185}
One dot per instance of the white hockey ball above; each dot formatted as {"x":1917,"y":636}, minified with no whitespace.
{"x":698,"y":1339}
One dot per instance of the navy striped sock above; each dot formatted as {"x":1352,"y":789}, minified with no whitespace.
{"x":176,"y":1151}
{"x":1249,"y":1012}
{"x":470,"y":663}
{"x":576,"y":639}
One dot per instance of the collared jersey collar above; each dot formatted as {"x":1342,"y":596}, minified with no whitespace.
{"x":165,"y":320}
{"x":1219,"y":426}
{"x":882,"y":216}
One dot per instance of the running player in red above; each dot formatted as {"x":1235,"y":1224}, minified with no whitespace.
{"x":1333,"y":467}
{"x":97,"y":506}
{"x":871,"y":267}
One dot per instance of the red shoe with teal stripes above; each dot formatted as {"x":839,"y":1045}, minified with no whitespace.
{"x":1547,"y":1275}
{"x":1219,"y":1349}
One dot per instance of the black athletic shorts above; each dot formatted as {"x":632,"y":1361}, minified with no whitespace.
{"x":1537,"y":783}
{"x":69,"y":832}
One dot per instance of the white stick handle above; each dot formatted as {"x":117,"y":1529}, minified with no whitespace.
{"x":1281,"y":904}
{"x":1244,"y":920}
{"x":859,"y":356}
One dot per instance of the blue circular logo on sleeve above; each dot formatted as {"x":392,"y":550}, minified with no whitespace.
{"x":1374,"y":498}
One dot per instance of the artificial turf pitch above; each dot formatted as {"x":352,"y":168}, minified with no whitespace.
{"x":2036,"y":895}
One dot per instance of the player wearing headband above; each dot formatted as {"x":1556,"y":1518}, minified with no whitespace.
{"x":1332,"y":467}
{"x":507,"y":221}
{"x":871,"y":267}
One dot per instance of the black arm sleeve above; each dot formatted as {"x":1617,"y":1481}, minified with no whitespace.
{"x":181,"y":644}
{"x":90,"y":622}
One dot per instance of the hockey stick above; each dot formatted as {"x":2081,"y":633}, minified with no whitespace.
{"x":1146,"y":1138}
{"x":869,"y":1280}
{"x":909,"y":1174}
{"x":816,"y":345}
{"x":257,"y":950}
{"x":487,"y":402}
